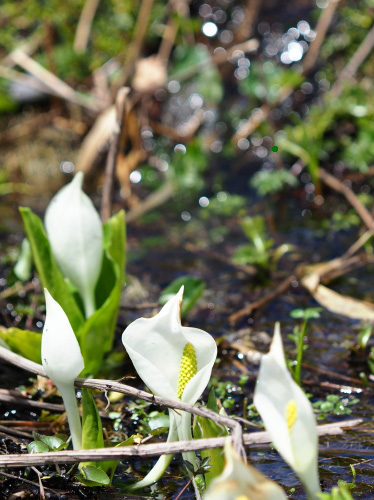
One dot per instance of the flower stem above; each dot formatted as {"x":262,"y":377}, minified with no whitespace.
{"x":300,"y":352}
{"x":185,"y":434}
{"x":89,"y":302}
{"x":70,"y":401}
{"x":162,"y":463}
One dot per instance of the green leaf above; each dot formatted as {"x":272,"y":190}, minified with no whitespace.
{"x":97,"y":333}
{"x":193,"y":289}
{"x":187,"y":167}
{"x":49,"y":273}
{"x":54,"y":443}
{"x":93,"y":476}
{"x":110,"y":466}
{"x":24,"y":342}
{"x":159,"y":421}
{"x":364,"y":336}
{"x":92,"y":430}
{"x":37,"y":447}
{"x":206,"y":428}
{"x":207,"y":81}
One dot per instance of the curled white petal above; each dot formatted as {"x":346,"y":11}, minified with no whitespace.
{"x":288,"y":415}
{"x":62,"y":361}
{"x":75,"y":233}
{"x":156,"y":345}
{"x":61,"y":355}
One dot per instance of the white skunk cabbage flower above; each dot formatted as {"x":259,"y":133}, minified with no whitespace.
{"x":75,"y":233}
{"x":63,"y":362}
{"x":239,"y":481}
{"x":288,"y":416}
{"x":175,"y":362}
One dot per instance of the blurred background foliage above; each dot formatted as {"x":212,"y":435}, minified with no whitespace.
{"x":214,"y":86}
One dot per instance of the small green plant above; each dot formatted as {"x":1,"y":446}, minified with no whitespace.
{"x":43,"y":444}
{"x":193,"y":289}
{"x":298,"y":337}
{"x":272,"y":181}
{"x":340,"y":492}
{"x":260,"y":251}
{"x":333,"y":405}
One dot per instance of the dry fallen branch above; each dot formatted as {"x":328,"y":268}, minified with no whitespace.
{"x":246,"y":311}
{"x":51,"y":82}
{"x":149,"y":450}
{"x":136,"y":43}
{"x":321,"y":30}
{"x":342,"y":188}
{"x":354,"y":63}
{"x":111,"y":162}
{"x":82,"y":33}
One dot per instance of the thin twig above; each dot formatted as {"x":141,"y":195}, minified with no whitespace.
{"x":15,"y":432}
{"x":323,"y":24}
{"x":16,"y":289}
{"x":354,"y":63}
{"x":53,"y":83}
{"x":31,"y":483}
{"x":137,"y":41}
{"x":342,"y":188}
{"x":111,"y":162}
{"x":246,"y":27}
{"x":82,"y":33}
{"x":29,"y":403}
{"x":155,"y":199}
{"x":246,"y":311}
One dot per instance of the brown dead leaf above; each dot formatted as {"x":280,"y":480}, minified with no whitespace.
{"x":337,"y":303}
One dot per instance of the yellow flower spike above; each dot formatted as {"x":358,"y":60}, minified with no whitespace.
{"x":291,"y":414}
{"x":188,"y":368}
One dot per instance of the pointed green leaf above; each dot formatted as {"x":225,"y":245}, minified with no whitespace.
{"x":110,"y":465}
{"x":49,"y":273}
{"x":93,"y":476}
{"x":92,"y":430}
{"x":193,"y":289}
{"x":37,"y":447}
{"x":206,"y":428}
{"x":24,"y":342}
{"x":54,"y":443}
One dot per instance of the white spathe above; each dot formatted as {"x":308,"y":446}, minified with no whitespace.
{"x":75,"y":233}
{"x":241,"y":481}
{"x":62,"y":361}
{"x":288,"y":416}
{"x":155,"y":346}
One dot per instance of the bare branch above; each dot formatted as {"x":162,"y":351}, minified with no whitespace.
{"x":149,"y":450}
